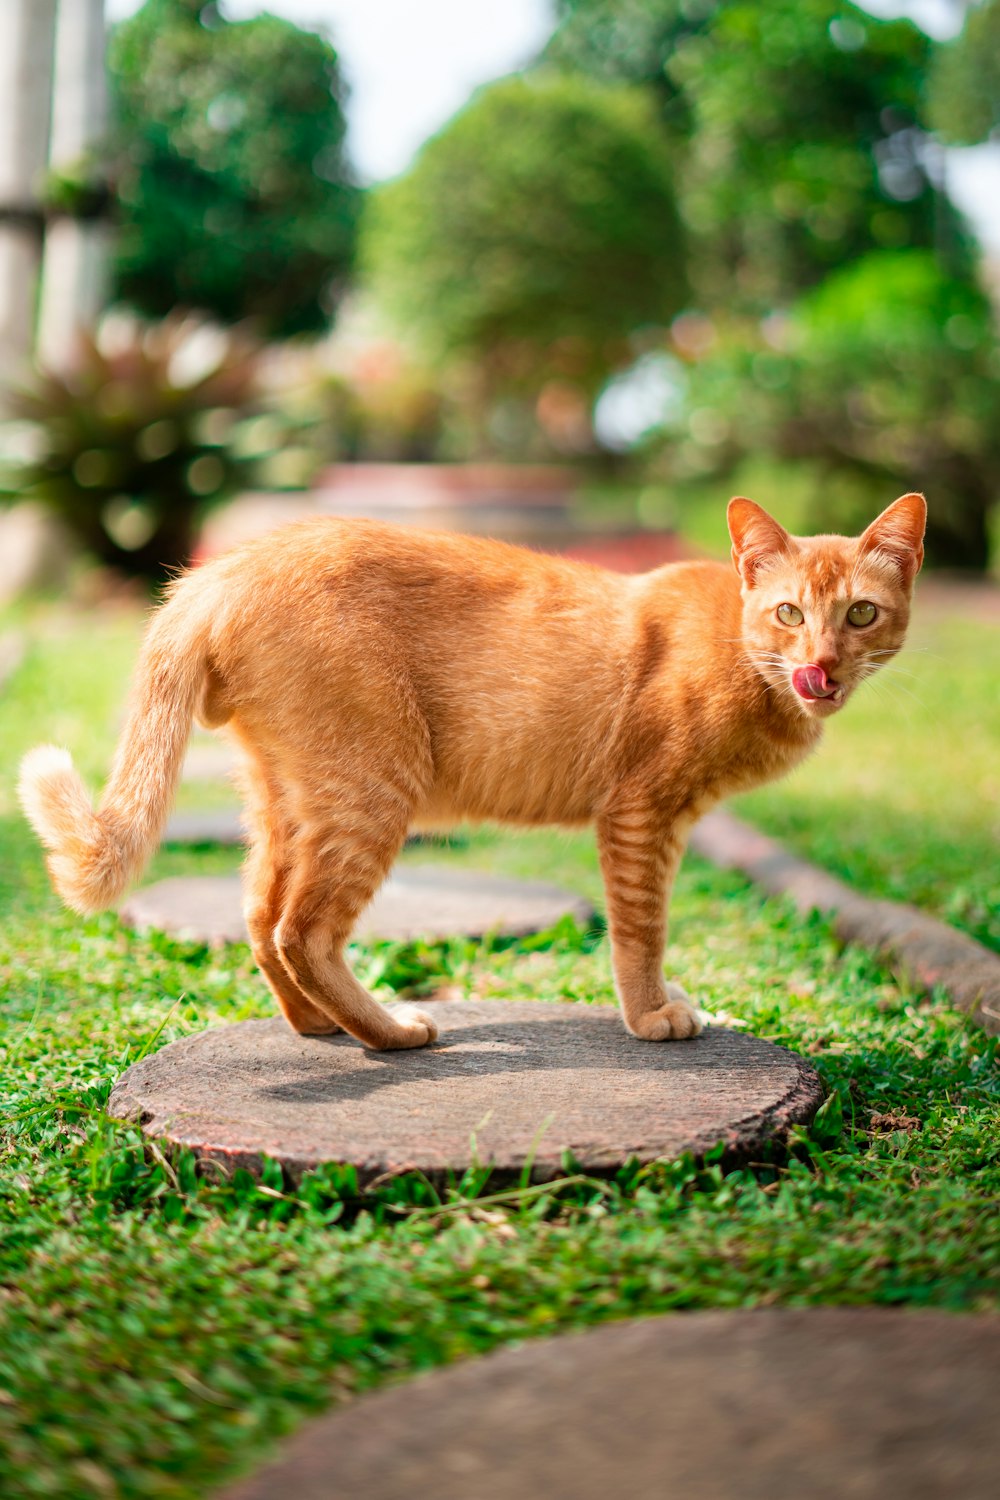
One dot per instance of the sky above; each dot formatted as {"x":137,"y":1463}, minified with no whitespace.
{"x":411,"y":64}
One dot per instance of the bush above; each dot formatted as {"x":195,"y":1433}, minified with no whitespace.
{"x":795,"y":127}
{"x":965,"y":81}
{"x":887,"y":372}
{"x":132,"y":445}
{"x":234,"y":195}
{"x":534,"y":234}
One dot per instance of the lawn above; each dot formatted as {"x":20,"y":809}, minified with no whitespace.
{"x":158,"y":1332}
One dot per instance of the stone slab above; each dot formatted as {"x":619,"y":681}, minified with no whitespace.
{"x":212,"y":826}
{"x":416,"y":902}
{"x":769,"y":1405}
{"x":509,"y":1082}
{"x":210,"y":757}
{"x":224,"y":825}
{"x":920,"y":949}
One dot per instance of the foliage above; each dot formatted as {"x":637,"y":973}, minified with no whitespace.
{"x":795,"y":128}
{"x":234,"y":194}
{"x":965,"y":80}
{"x":78,"y":189}
{"x":138,"y":439}
{"x":888,"y":370}
{"x":392,"y":412}
{"x":632,"y":41}
{"x":215,"y":1314}
{"x":535,"y":233}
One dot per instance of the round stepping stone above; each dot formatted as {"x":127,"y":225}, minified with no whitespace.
{"x":415,"y":902}
{"x":216,"y":826}
{"x":210,"y":758}
{"x":772,"y":1405}
{"x":223,"y":825}
{"x":509,"y":1083}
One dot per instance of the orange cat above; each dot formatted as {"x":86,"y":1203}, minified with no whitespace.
{"x":381,"y":680}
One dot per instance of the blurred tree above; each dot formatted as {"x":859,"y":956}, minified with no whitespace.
{"x":965,"y":82}
{"x":802,"y":121}
{"x":234,"y":193}
{"x":888,"y":371}
{"x":631,"y":41}
{"x":535,"y":233}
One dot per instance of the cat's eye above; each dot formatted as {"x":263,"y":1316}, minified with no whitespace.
{"x":789,"y":614}
{"x":862,"y":613}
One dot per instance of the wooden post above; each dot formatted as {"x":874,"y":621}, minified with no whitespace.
{"x":27,"y":30}
{"x":74,"y":269}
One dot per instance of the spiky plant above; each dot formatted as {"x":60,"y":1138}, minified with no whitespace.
{"x":149,"y":428}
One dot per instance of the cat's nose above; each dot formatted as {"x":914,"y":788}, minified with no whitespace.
{"x":828,"y":664}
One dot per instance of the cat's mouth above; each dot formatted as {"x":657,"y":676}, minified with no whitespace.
{"x":814,"y":686}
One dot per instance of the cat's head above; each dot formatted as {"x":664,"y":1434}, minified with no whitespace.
{"x":822,"y":613}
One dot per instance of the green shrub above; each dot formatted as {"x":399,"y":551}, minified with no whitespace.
{"x":533,"y":235}
{"x":234,"y":193}
{"x":884,"y":375}
{"x":133,"y":444}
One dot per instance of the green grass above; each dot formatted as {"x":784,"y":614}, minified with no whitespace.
{"x":158,"y":1332}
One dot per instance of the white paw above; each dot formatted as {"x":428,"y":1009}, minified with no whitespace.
{"x":675,"y":1020}
{"x":418,"y":1025}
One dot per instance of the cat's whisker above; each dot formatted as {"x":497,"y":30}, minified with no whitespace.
{"x":888,"y":692}
{"x":894,"y":672}
{"x":887,"y":669}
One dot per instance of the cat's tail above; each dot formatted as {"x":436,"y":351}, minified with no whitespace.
{"x":94,"y":856}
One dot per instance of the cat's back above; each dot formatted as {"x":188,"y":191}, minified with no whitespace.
{"x":342,"y":567}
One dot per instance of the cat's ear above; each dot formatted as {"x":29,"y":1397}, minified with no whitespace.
{"x":898,"y":535}
{"x":756,"y":537}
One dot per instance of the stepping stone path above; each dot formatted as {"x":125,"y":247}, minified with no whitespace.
{"x":509,"y":1083}
{"x":771,"y":1405}
{"x":223,"y":825}
{"x":415,"y":902}
{"x":210,"y":757}
{"x":218,"y":826}
{"x":922,"y":950}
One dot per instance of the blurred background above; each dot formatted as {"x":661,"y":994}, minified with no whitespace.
{"x":566,"y":271}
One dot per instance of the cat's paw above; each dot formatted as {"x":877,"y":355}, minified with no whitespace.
{"x":414,"y":1027}
{"x":673,"y":1021}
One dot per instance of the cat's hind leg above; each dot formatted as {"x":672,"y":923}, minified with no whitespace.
{"x":639,"y":859}
{"x":265,"y":879}
{"x":339,"y":864}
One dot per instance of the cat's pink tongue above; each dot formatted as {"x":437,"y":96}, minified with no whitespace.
{"x":812,"y":682}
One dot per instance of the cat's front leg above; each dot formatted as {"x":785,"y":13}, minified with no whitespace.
{"x":639,"y":859}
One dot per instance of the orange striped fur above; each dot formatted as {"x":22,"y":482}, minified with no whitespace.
{"x":382,"y":680}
